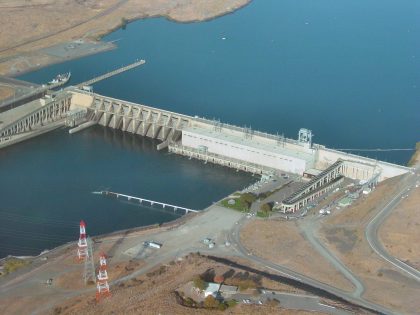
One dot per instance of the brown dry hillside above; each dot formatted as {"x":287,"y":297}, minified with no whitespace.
{"x":30,"y":25}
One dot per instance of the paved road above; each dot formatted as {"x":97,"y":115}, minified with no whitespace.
{"x":219,"y":223}
{"x":293,"y":301}
{"x":308,"y":227}
{"x":371,"y":232}
{"x":235,"y":241}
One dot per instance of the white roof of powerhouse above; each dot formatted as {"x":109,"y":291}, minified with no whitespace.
{"x":253,"y":143}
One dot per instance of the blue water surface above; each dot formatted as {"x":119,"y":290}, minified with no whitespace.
{"x":347,"y":70}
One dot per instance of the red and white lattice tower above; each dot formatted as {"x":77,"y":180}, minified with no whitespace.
{"x":102,"y":287}
{"x":82,"y":250}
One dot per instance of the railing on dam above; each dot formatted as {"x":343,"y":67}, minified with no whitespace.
{"x":220,"y":159}
{"x":249,"y":131}
{"x":366,"y":159}
{"x":112,"y":73}
{"x":141,"y":200}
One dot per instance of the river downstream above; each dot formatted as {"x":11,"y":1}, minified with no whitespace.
{"x":276,"y":66}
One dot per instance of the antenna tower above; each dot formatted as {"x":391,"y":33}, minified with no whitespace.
{"x":82,"y":250}
{"x":85,"y":253}
{"x":102,"y":287}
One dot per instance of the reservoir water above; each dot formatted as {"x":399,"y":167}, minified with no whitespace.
{"x":347,"y":70}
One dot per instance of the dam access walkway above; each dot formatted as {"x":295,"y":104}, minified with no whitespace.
{"x":107,"y":75}
{"x":141,"y":200}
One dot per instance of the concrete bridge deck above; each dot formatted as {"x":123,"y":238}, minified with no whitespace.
{"x":112,"y":73}
{"x":141,"y":200}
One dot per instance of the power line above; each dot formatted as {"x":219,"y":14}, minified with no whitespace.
{"x":375,"y":150}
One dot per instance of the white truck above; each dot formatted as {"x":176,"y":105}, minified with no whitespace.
{"x":152,"y":244}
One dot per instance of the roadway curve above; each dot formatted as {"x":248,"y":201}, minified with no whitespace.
{"x":234,"y":236}
{"x":371,"y":231}
{"x":308,"y":231}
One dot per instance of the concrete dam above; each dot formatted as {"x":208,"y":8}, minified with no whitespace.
{"x":225,"y":144}
{"x":199,"y":138}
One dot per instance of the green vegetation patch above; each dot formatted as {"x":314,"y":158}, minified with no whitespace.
{"x":265,"y":210}
{"x":244,"y":281}
{"x":231,"y":303}
{"x":211,"y":302}
{"x":12,"y":264}
{"x":200,"y":283}
{"x":242,"y":202}
{"x":261,"y":214}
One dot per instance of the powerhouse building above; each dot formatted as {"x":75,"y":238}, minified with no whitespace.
{"x":249,"y":148}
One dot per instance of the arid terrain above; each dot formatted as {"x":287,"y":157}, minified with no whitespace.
{"x":343,"y":233}
{"x":143,"y":292}
{"x":403,"y":224}
{"x":141,"y":276}
{"x":415,"y":159}
{"x":6,"y":92}
{"x":24,"y":43}
{"x":398,"y":231}
{"x":282,"y":243}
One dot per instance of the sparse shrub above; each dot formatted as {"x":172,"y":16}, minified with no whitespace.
{"x":124,"y":23}
{"x":242,"y":203}
{"x":246,"y":284}
{"x":210,"y":302}
{"x":222,"y":306}
{"x":200,"y":283}
{"x":266,"y":207}
{"x":231,"y":303}
{"x":273,"y":302}
{"x":189,"y":302}
{"x":13,"y":264}
{"x":248,"y":198}
{"x":208,"y":275}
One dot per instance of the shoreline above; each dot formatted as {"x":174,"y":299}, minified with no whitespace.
{"x":158,"y":226}
{"x":415,"y":158}
{"x":98,"y":39}
{"x":118,"y":233}
{"x":55,"y":62}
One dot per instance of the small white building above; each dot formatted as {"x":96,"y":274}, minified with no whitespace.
{"x":212,"y":289}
